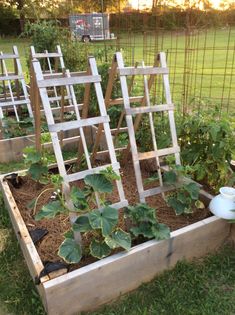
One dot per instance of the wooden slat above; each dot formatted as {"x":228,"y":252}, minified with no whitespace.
{"x":69,"y":125}
{"x":9,"y":56}
{"x":11,"y":77}
{"x":142,"y":71}
{"x":152,"y":109}
{"x":132,"y":99}
{"x":160,"y":152}
{"x":47,"y":55}
{"x":11,"y":103}
{"x":60,"y":74}
{"x":80,"y":175}
{"x":68,"y":81}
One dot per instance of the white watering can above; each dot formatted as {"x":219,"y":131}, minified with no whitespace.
{"x":223,"y":204}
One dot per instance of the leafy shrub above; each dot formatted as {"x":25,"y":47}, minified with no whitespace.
{"x":207,"y":144}
{"x":44,"y":35}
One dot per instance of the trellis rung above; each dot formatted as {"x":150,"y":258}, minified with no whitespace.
{"x":69,"y":125}
{"x":80,"y":175}
{"x":11,"y":77}
{"x":142,"y":71}
{"x":68,"y":81}
{"x":9,"y":56}
{"x":11,"y":103}
{"x":158,"y":153}
{"x":132,"y":99}
{"x":158,"y":190}
{"x":152,"y":109}
{"x":47,"y":55}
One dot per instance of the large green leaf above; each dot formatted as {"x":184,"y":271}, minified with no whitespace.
{"x":31,"y":155}
{"x":82,"y":224}
{"x":105,"y":219}
{"x":79,"y":199}
{"x":37,"y":170}
{"x":70,"y":251}
{"x":99,"y":249}
{"x":176,"y":205}
{"x":99,"y":183}
{"x":193,"y":190}
{"x":161,"y":231}
{"x":143,"y":228}
{"x":50,"y":210}
{"x":170,"y":177}
{"x":119,"y":238}
{"x":141,"y":212}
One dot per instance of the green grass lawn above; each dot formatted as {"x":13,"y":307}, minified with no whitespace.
{"x":201,"y":70}
{"x":202,"y":287}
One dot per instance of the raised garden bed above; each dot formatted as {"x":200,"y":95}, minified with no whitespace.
{"x":102,"y":281}
{"x":12,"y":149}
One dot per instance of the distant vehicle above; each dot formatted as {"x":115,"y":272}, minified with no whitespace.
{"x":90,"y":26}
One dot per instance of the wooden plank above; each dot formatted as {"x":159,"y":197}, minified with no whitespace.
{"x":16,"y":103}
{"x":89,"y":287}
{"x":11,"y":77}
{"x":166,"y":84}
{"x":68,"y":125}
{"x":142,"y":71}
{"x":132,"y":99}
{"x":47,"y":55}
{"x":68,"y":81}
{"x":152,"y":109}
{"x":160,"y":152}
{"x":80,"y":175}
{"x":9,"y":56}
{"x":31,"y":256}
{"x":60,"y":74}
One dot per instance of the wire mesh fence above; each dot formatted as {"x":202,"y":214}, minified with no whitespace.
{"x":201,"y":61}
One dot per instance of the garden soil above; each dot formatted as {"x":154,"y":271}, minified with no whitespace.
{"x":48,"y":246}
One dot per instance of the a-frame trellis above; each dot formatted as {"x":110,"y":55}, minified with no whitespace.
{"x":79,"y":123}
{"x":60,"y":97}
{"x":13,"y":98}
{"x":133,"y":115}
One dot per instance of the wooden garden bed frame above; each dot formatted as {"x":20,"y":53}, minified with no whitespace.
{"x":105,"y":280}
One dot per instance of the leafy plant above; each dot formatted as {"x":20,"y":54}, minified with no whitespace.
{"x":37,"y":164}
{"x":145,"y":223}
{"x":13,"y":128}
{"x":185,"y":197}
{"x":207,"y":144}
{"x":101,"y":224}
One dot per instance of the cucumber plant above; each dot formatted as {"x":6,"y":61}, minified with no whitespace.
{"x":145,"y":223}
{"x":101,"y":224}
{"x":185,"y":197}
{"x":37,"y":163}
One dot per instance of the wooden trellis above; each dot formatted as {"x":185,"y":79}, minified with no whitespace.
{"x":13,"y":98}
{"x":61,"y":96}
{"x":79,"y":123}
{"x":133,"y":116}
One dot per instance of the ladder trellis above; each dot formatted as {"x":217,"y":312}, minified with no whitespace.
{"x":79,"y":123}
{"x":10,"y":98}
{"x":62,"y":96}
{"x":138,"y":111}
{"x":133,"y":115}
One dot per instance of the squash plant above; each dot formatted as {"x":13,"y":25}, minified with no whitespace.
{"x":101,"y":224}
